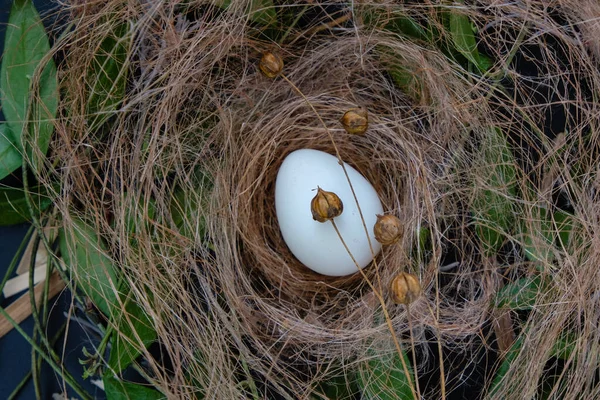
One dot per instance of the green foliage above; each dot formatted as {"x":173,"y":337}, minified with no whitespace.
{"x":462,"y":33}
{"x":383,"y":378}
{"x":550,"y":232}
{"x":134,"y":327}
{"x":564,"y":226}
{"x":25,"y":47}
{"x":93,"y":270}
{"x":407,"y":26}
{"x":108,"y":76}
{"x":538,"y":237}
{"x":520,"y":295}
{"x":338,"y":387}
{"x":138,"y":214}
{"x":118,"y":390}
{"x":564,"y":346}
{"x":460,"y":46}
{"x":10,"y":155}
{"x":494,"y":207}
{"x":562,"y":349}
{"x":407,"y":80}
{"x":509,"y":358}
{"x":261,"y":12}
{"x":13,"y":205}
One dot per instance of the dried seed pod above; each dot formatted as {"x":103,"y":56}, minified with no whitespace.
{"x":387,"y":229}
{"x":356,"y":121}
{"x":271,"y":64}
{"x":326,"y":205}
{"x":405,"y":288}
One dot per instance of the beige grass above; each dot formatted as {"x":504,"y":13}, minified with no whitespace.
{"x":232,"y":298}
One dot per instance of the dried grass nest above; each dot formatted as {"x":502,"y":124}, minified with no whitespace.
{"x":224,"y":285}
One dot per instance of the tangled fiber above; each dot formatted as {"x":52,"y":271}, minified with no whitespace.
{"x":177,"y":174}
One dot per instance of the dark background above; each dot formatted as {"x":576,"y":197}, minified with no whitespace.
{"x":15,"y":352}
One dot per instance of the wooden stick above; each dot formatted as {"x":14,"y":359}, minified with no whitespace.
{"x":21,"y":282}
{"x":20,"y":309}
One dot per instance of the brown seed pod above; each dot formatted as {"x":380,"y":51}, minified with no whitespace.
{"x":387,"y":229}
{"x":271,"y":64}
{"x":326,"y":205}
{"x":405,"y":288}
{"x":356,"y":121}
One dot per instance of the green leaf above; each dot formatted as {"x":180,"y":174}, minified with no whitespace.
{"x":539,"y":236}
{"x":383,"y":378}
{"x":519,"y":295}
{"x":138,"y":213}
{"x":509,"y":358}
{"x":25,"y":46}
{"x":338,"y":387}
{"x":408,"y":80}
{"x":463,"y":39}
{"x":134,"y":330}
{"x":493,"y":206}
{"x":118,"y":390}
{"x":93,"y":270}
{"x":108,"y":76}
{"x":564,"y":224}
{"x":261,"y":12}
{"x":407,"y":26}
{"x":564,"y":346}
{"x":10,"y":155}
{"x":13,"y":206}
{"x":553,"y":232}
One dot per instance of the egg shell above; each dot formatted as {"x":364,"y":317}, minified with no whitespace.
{"x":316,"y":244}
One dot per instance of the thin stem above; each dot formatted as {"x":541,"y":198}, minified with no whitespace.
{"x":436,"y":314}
{"x":37,"y":329}
{"x":19,"y":387}
{"x":35,"y":369}
{"x":293,"y":25}
{"x":440,"y":354}
{"x":15,"y":260}
{"x":341,"y":162}
{"x":375,"y":291}
{"x":385,"y":313}
{"x":34,"y":309}
{"x":60,"y":371}
{"x":45,"y":310}
{"x":414,"y":353}
{"x":26,"y":378}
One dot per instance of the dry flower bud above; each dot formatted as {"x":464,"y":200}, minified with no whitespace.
{"x":326,"y":205}
{"x":387,"y":229}
{"x":356,"y":121}
{"x":405,"y":288}
{"x":271,"y":64}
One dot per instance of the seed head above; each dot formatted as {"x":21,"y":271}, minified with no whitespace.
{"x":271,"y":64}
{"x":387,"y":229}
{"x":405,"y":288}
{"x":326,"y":205}
{"x":356,"y":121}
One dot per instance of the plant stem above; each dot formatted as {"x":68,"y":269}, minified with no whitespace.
{"x":289,"y":30}
{"x":60,"y":371}
{"x":375,"y":291}
{"x":385,"y":313}
{"x":15,"y":260}
{"x":19,"y":387}
{"x":35,"y":369}
{"x":341,"y":162}
{"x":23,"y":382}
{"x":414,"y":353}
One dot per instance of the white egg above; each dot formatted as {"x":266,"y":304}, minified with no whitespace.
{"x":316,"y":244}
